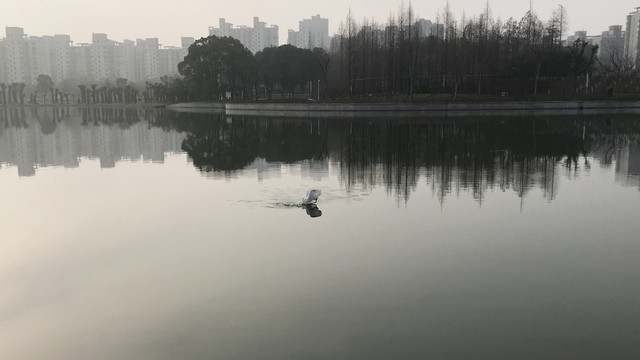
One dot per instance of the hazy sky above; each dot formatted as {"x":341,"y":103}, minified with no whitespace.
{"x":169,"y":21}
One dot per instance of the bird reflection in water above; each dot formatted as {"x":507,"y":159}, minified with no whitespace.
{"x":312,"y":210}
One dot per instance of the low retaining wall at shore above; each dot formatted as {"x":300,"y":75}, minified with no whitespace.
{"x":401,"y":109}
{"x":213,"y":107}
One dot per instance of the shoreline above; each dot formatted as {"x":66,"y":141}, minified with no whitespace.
{"x":382,"y":109}
{"x":396,"y":109}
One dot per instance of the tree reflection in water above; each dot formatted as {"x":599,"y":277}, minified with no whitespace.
{"x":452,"y":155}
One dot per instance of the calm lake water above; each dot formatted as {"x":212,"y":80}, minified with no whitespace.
{"x":148,"y":234}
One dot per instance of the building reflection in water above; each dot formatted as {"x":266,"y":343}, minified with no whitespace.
{"x":451,"y":155}
{"x":41,"y":137}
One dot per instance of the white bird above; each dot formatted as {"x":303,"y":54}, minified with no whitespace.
{"x":311,"y":197}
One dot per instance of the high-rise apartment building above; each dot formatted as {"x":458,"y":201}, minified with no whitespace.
{"x":185,"y":42}
{"x":578,"y":35}
{"x":80,"y":55}
{"x":169,"y":58}
{"x":39,"y":51}
{"x":125,"y":60}
{"x":16,"y":60}
{"x":632,"y":38}
{"x":3,"y":61}
{"x":23,"y":58}
{"x":312,"y":33}
{"x":61,"y":58}
{"x":258,"y":37}
{"x":428,"y":28}
{"x":102,"y":57}
{"x":148,"y":59}
{"x":610,"y":45}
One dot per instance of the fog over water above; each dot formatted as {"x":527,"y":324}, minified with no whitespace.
{"x":149,"y":234}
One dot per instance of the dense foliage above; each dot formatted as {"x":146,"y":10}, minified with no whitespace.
{"x":218,"y":68}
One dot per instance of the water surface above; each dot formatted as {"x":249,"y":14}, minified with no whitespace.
{"x":147,"y":234}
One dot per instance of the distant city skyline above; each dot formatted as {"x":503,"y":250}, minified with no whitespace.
{"x":170,"y":21}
